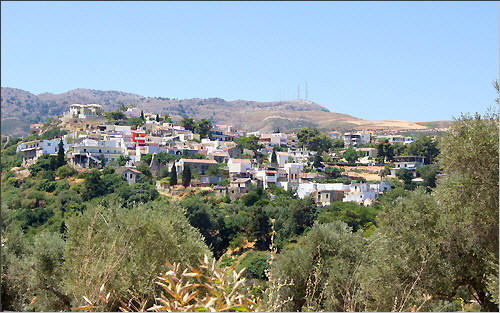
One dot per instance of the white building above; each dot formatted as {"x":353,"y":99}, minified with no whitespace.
{"x":360,"y":193}
{"x":239,"y":166}
{"x":85,"y":110}
{"x":282,"y":158}
{"x":409,"y":162}
{"x":289,"y":175}
{"x":366,"y":193}
{"x":305,"y":189}
{"x":143,"y":150}
{"x":273,"y":139}
{"x":115,"y":129}
{"x":32,"y":150}
{"x":267,"y":177}
{"x":301,"y":155}
{"x":395,"y":139}
{"x":359,"y":138}
{"x":90,"y":151}
{"x":130,"y":174}
{"x":133,"y":112}
{"x":368,"y":155}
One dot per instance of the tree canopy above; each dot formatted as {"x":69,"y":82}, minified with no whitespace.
{"x":203,"y":127}
{"x":188,"y":123}
{"x":313,"y":140}
{"x":126,"y":248}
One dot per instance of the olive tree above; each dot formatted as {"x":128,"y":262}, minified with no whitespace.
{"x":405,"y":266}
{"x":125,"y":249}
{"x":468,"y":196}
{"x":319,"y":272}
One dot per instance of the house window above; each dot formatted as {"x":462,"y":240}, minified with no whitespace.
{"x":131,"y":176}
{"x":48,"y":144}
{"x":100,"y":150}
{"x":327,"y":195}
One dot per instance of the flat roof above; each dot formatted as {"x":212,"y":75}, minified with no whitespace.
{"x":199,"y":161}
{"x":86,"y":105}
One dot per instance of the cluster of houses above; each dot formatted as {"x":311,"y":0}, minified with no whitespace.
{"x":101,"y":144}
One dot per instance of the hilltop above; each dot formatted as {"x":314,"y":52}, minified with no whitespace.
{"x":21,"y":108}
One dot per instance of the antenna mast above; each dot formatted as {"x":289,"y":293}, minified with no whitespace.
{"x":307,"y":93}
{"x":298,"y":91}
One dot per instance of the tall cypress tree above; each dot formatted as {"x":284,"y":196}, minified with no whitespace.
{"x":186,"y":176}
{"x":142,"y":116}
{"x":317,"y":161}
{"x":173,"y":175}
{"x":60,"y":154}
{"x":274,"y":157}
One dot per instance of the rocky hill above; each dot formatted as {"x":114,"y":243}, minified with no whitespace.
{"x":21,"y":108}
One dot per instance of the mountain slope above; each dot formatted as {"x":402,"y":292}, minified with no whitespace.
{"x":21,"y":108}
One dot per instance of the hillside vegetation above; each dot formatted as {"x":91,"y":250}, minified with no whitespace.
{"x":87,"y":240}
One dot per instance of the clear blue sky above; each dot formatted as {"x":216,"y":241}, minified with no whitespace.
{"x":416,"y":61}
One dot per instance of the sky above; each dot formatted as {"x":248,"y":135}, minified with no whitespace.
{"x":416,"y":61}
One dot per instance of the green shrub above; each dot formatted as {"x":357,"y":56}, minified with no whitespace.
{"x":65,"y":171}
{"x":44,"y":163}
{"x":61,"y":185}
{"x":47,"y":185}
{"x":48,"y":175}
{"x":11,"y":181}
{"x":256,"y":264}
{"x":223,"y":182}
{"x":237,"y":241}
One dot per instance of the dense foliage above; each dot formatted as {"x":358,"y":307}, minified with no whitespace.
{"x":70,"y":235}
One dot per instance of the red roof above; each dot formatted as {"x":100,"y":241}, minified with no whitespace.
{"x":241,"y":161}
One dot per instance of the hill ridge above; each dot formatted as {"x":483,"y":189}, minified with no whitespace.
{"x":21,"y":108}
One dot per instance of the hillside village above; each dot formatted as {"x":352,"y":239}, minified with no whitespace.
{"x":85,"y":187}
{"x":249,"y":156}
{"x":182,"y":156}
